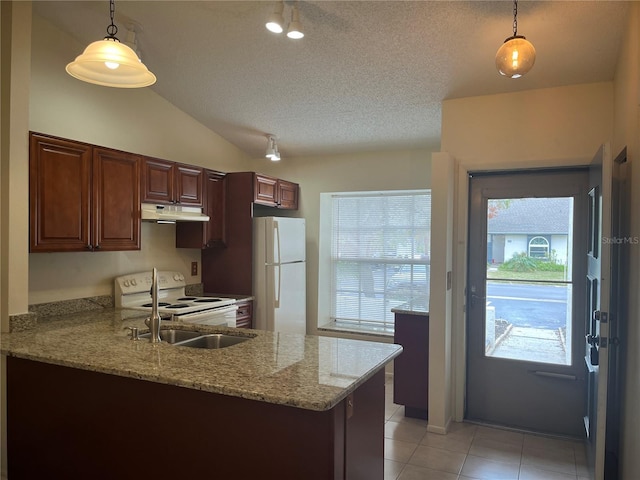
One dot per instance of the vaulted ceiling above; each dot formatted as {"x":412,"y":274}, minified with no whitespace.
{"x":367,"y":75}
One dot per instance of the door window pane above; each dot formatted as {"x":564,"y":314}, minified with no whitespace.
{"x":528,"y":280}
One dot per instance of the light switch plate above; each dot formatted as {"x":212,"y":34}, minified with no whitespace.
{"x":194,"y":269}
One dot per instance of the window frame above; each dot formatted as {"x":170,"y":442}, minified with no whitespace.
{"x":386,"y":263}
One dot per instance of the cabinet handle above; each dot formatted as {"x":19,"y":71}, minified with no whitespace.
{"x":89,"y":246}
{"x":97,"y":247}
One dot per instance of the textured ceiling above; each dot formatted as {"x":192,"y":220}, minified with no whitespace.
{"x":367,"y":75}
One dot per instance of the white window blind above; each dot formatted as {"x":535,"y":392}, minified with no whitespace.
{"x":380,"y":255}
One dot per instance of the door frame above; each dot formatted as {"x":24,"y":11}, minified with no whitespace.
{"x":461,"y":183}
{"x":530,"y":183}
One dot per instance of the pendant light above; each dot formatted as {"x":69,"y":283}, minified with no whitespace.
{"x":516,"y":56}
{"x":110,"y":63}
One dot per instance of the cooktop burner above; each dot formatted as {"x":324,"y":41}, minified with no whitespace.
{"x":160,"y":304}
{"x":186,"y":299}
{"x":207,"y":300}
{"x":178,"y":305}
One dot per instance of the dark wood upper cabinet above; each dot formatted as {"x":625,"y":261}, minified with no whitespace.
{"x":157,"y":181}
{"x":59,"y":195}
{"x":189,"y":185}
{"x":82,"y":197}
{"x":274,"y":192}
{"x":288,"y":195}
{"x":212,"y":233}
{"x":265,"y":190}
{"x":116,"y":200}
{"x":167,"y":182}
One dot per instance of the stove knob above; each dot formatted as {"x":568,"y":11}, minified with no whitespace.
{"x":133,"y":282}
{"x":176,"y":276}
{"x":126,"y":283}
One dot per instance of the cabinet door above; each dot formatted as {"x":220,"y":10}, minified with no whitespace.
{"x":188,"y":185}
{"x":116,"y":200}
{"x":215,"y":201}
{"x":211,"y":233}
{"x":59,"y":184}
{"x":287,"y":195}
{"x":411,"y":368}
{"x":157,"y":181}
{"x":265,"y":190}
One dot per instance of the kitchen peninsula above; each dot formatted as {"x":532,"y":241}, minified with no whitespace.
{"x":85,"y":401}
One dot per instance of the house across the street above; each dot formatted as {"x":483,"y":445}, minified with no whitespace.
{"x":539,"y":227}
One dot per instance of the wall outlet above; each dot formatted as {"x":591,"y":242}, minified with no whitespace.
{"x":194,"y":269}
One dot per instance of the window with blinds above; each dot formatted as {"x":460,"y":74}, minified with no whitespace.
{"x":380,"y":255}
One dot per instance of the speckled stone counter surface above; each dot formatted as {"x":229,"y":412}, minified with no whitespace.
{"x":309,"y":372}
{"x":417,"y":306}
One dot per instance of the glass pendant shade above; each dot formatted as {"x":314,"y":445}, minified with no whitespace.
{"x":515,"y":57}
{"x":111,"y":64}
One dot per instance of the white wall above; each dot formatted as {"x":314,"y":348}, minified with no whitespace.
{"x":559,"y":244}
{"x":384,"y":170}
{"x":627,"y":132}
{"x":514,"y":244}
{"x":134,"y":120}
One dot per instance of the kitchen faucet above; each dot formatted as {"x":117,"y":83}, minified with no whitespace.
{"x":153,"y":322}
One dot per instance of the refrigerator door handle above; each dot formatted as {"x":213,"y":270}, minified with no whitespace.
{"x":276,"y":300}
{"x":276,"y":233}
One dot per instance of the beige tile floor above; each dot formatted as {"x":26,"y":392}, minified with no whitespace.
{"x":474,"y":452}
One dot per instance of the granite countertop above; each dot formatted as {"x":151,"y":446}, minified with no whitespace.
{"x":303,"y":371}
{"x":417,"y":306}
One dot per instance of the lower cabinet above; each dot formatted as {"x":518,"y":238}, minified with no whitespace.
{"x":411,"y":367}
{"x":101,"y":426}
{"x":244,"y":315}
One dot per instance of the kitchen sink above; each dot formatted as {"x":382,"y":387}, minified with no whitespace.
{"x":173,"y":336}
{"x":189,"y":338}
{"x":214,"y":340}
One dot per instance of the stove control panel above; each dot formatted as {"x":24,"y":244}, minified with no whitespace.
{"x":141,"y":282}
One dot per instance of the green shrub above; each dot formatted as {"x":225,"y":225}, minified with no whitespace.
{"x":521,"y":262}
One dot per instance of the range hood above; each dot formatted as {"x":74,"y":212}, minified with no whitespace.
{"x":172,"y":213}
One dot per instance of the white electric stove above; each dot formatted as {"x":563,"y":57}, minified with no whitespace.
{"x":134,"y":291}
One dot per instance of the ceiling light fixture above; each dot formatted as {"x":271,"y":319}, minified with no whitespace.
{"x":272,"y":152}
{"x":110,"y":63}
{"x":276,"y":20}
{"x":516,"y":56}
{"x":295,"y":27}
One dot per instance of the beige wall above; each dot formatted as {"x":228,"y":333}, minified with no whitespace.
{"x":15,"y":214}
{"x":627,"y":132}
{"x":136,"y":120}
{"x":386,"y":170}
{"x":560,"y":126}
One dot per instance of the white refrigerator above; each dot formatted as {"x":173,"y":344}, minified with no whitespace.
{"x":279,"y":274}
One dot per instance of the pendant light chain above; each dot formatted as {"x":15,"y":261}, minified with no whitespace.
{"x":112,"y":29}
{"x":515,"y":18}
